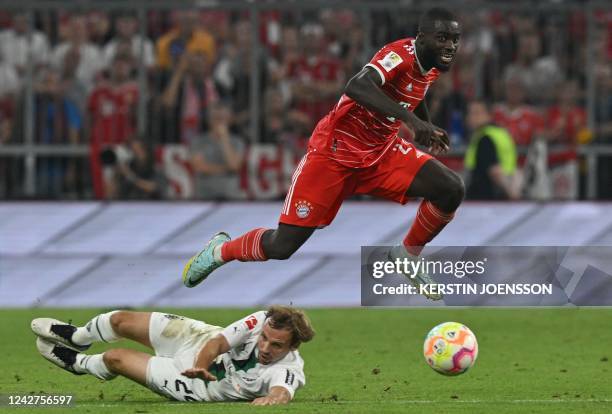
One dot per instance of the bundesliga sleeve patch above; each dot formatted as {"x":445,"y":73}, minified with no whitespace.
{"x":251,"y":322}
{"x":390,"y":61}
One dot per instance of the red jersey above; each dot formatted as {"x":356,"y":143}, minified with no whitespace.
{"x":357,"y":137}
{"x":112,"y":112}
{"x":523,"y":123}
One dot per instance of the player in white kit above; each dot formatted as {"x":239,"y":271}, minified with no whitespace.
{"x":255,"y":358}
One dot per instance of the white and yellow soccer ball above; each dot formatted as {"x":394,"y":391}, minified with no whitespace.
{"x":450,"y":348}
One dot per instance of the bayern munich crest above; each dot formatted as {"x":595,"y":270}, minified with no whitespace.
{"x":303,"y":208}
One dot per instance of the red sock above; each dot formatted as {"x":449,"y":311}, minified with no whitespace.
{"x":246,"y":248}
{"x":428,"y":223}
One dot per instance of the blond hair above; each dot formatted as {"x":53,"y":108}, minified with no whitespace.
{"x":293,"y":320}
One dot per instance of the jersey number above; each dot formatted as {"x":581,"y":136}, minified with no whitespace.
{"x":402,"y":149}
{"x":177,"y":386}
{"x":405,"y":105}
{"x":289,"y":378}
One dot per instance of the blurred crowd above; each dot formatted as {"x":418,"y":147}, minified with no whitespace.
{"x":88,"y":68}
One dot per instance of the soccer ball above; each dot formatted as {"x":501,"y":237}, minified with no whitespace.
{"x":450,"y":348}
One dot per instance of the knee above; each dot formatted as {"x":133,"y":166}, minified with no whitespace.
{"x":113,"y":359}
{"x":452,"y":192}
{"x":457,"y":189}
{"x":119,"y":320}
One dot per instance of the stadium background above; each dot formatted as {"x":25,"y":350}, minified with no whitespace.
{"x":279,"y":66}
{"x":104,"y":195}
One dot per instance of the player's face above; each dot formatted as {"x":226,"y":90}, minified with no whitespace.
{"x":273,"y":344}
{"x":440,"y":44}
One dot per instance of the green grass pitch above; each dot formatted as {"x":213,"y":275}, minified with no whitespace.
{"x":369,"y":360}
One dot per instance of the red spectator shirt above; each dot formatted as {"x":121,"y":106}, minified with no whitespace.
{"x":573,"y":120}
{"x":523,"y":123}
{"x":357,"y":137}
{"x":312,"y":70}
{"x":112,"y":111}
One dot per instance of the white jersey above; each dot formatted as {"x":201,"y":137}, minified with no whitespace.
{"x":177,"y":341}
{"x":239,"y":374}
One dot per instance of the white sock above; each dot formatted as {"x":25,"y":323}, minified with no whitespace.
{"x":217,"y":254}
{"x":399,"y":252}
{"x":94,"y":365}
{"x":98,"y":329}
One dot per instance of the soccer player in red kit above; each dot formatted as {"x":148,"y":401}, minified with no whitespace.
{"x":355,"y":149}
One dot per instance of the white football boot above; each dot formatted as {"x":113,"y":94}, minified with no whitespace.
{"x":59,"y":355}
{"x":57,"y":332}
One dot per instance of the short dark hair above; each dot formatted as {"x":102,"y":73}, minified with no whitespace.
{"x":427,"y":19}
{"x":292,"y":320}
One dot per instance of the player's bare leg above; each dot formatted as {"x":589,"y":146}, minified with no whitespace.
{"x":128,"y":363}
{"x":442,"y":191}
{"x":439,"y":185}
{"x":60,"y":343}
{"x":280,"y":244}
{"x":106,"y":327}
{"x":256,"y":245}
{"x":132,"y":325}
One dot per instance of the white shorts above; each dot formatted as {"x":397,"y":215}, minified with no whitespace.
{"x":177,"y":341}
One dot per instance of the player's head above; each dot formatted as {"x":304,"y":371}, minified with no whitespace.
{"x":284,"y":330}
{"x":437,"y":39}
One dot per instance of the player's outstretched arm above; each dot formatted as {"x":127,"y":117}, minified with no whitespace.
{"x":365,"y":89}
{"x":277,"y":395}
{"x":213,"y":348}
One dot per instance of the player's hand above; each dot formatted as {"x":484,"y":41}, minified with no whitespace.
{"x":267,"y":400}
{"x":427,"y":134}
{"x":200,"y":373}
{"x":439,"y":143}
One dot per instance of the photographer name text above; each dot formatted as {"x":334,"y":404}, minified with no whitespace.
{"x":465,"y":289}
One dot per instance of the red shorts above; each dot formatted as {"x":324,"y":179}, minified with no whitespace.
{"x":320,"y":184}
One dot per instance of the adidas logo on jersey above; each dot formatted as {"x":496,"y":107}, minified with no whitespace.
{"x":409,"y":87}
